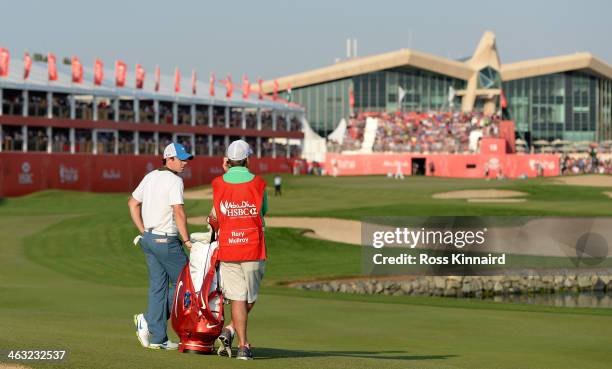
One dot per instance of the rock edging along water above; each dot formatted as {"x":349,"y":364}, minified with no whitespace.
{"x":469,"y":286}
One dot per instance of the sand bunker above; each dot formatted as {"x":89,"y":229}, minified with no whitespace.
{"x":592,"y":180}
{"x":479,"y":194}
{"x":497,"y":200}
{"x":198,"y":194}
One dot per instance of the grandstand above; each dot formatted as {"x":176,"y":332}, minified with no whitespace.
{"x":107,"y":136}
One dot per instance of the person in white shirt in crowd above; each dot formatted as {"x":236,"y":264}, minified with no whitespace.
{"x":278,"y":181}
{"x":156,"y":208}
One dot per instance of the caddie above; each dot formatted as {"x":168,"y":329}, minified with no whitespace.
{"x":156,"y":208}
{"x":240,"y":202}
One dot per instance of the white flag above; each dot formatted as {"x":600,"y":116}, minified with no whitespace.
{"x":401,"y":94}
{"x":451,"y":96}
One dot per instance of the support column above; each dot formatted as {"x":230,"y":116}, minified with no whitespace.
{"x":24,"y":106}
{"x":258,"y":147}
{"x":72,"y":102}
{"x":193,"y":142}
{"x":210,"y":116}
{"x":136,"y":110}
{"x":94,"y":141}
{"x":258,"y":119}
{"x":274,"y":147}
{"x":174,"y":113}
{"x":116,"y":139}
{"x":243,"y":120}
{"x":226,"y":141}
{"x":95,"y":108}
{"x":274,"y":120}
{"x":193,"y":115}
{"x":156,"y":110}
{"x":136,"y":143}
{"x":116,"y":109}
{"x":1,"y":101}
{"x":49,"y":104}
{"x":24,"y":134}
{"x":227,"y":116}
{"x":49,"y":140}
{"x":1,"y":130}
{"x":72,"y":140}
{"x":210,"y":145}
{"x":156,"y":137}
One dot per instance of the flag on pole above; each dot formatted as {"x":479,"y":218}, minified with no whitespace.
{"x":140,"y":76}
{"x":4,"y":62}
{"x":27,"y":65}
{"x":77,"y":70}
{"x":400,"y":95}
{"x":289,"y":93}
{"x":246,"y":87}
{"x":194,"y":82}
{"x":275,"y":92}
{"x":451,"y":96}
{"x":98,"y":72}
{"x":229,"y":87}
{"x":502,"y":100}
{"x":177,"y":80}
{"x":52,"y":67}
{"x":120,"y":73}
{"x":211,"y":87}
{"x":260,"y":92}
{"x":157,"y":76}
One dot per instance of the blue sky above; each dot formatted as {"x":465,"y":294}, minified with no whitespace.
{"x":275,"y":38}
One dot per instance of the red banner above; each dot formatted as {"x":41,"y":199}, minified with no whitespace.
{"x":140,"y":76}
{"x":157,"y":77}
{"x":77,"y":70}
{"x":120,"y":73}
{"x":445,"y":165}
{"x":260,"y":90}
{"x":229,"y":87}
{"x":22,"y":173}
{"x":27,"y":66}
{"x":98,"y":72}
{"x":246,"y":87}
{"x":211,"y":87}
{"x":5,"y":59}
{"x":275,"y":92}
{"x":194,"y":82}
{"x":177,"y":80}
{"x":52,"y":67}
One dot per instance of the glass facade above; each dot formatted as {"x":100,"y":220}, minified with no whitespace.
{"x":328,"y":103}
{"x":571,"y":106}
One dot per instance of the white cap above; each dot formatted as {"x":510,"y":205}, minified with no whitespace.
{"x":177,"y":150}
{"x":238,"y":150}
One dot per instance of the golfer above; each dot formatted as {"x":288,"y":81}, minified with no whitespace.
{"x":156,"y":207}
{"x":240,"y":202}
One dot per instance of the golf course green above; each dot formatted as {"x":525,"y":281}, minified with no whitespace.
{"x":71,"y":279}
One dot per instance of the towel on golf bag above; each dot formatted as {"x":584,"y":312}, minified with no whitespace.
{"x":197,"y":311}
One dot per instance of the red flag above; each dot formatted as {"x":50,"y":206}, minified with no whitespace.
{"x":503,"y":102}
{"x":194,"y":82}
{"x":211,"y":88}
{"x":140,"y":76}
{"x":246,"y":87}
{"x":77,"y":70}
{"x":260,"y":92}
{"x":229,"y":87}
{"x":52,"y":67}
{"x":275,"y":92}
{"x":98,"y":72}
{"x":4,"y":62}
{"x":157,"y":78}
{"x":120,"y":73}
{"x":177,"y":80}
{"x":27,"y":65}
{"x":351,"y":97}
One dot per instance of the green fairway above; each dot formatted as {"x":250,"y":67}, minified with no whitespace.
{"x":71,"y":278}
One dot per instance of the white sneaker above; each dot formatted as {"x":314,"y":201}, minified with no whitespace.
{"x":168,"y":345}
{"x":142,"y":330}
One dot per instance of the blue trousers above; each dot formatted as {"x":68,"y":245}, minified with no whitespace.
{"x":165,"y":260}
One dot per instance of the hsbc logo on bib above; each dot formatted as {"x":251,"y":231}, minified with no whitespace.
{"x":238,"y":209}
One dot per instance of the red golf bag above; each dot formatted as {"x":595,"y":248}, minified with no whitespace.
{"x":197,"y":317}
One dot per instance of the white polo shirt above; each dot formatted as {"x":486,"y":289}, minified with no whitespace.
{"x":158,"y":191}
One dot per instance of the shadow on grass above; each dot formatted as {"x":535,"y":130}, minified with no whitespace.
{"x":274,"y":353}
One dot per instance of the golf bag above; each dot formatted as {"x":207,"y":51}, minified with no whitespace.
{"x":197,"y":311}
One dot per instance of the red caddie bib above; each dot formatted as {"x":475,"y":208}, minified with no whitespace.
{"x":238,"y":209}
